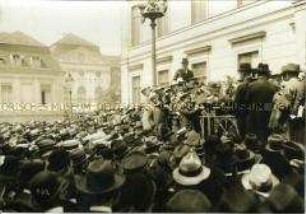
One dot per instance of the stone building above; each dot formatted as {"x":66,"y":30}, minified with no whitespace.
{"x":95,"y":76}
{"x":216,"y":36}
{"x":28,"y":75}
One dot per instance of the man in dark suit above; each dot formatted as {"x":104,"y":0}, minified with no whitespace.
{"x":259,"y":98}
{"x":184,"y":72}
{"x":239,"y":100}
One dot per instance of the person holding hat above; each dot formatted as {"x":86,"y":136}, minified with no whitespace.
{"x":259,"y":102}
{"x":183,"y":73}
{"x":100,"y":188}
{"x":240,"y":97}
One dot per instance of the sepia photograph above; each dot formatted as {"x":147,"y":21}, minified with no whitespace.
{"x":144,"y":106}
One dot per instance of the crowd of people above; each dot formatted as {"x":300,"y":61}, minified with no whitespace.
{"x":153,"y":158}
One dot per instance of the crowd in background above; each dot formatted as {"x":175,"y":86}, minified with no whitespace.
{"x":153,"y":158}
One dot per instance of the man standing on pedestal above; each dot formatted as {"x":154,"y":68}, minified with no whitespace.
{"x":183,"y":73}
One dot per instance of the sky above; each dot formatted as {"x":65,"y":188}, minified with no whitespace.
{"x":49,"y":20}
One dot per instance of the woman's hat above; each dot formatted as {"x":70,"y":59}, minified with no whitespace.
{"x":260,"y":179}
{"x":190,"y":171}
{"x":100,"y":178}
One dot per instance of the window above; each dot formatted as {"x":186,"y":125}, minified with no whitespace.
{"x":135,"y":26}
{"x":16,"y":59}
{"x":199,"y":69}
{"x":98,"y":73}
{"x":24,"y":61}
{"x":198,"y":11}
{"x":162,"y":26}
{"x":163,"y":78}
{"x":45,"y":93}
{"x":81,"y":94}
{"x":136,"y":89}
{"x":249,"y":57}
{"x":6,"y":93}
{"x":2,"y":61}
{"x":36,"y":62}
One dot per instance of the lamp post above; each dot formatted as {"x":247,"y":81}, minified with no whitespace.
{"x":153,"y":10}
{"x":69,"y":81}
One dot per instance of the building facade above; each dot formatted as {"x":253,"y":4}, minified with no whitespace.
{"x":95,"y":76}
{"x":29,"y":75}
{"x":216,"y":36}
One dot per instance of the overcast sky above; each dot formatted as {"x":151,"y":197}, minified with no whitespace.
{"x":49,"y":20}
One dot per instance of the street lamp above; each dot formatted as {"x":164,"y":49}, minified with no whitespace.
{"x":153,"y":9}
{"x":69,"y":81}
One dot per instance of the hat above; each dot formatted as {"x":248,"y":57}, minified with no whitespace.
{"x":245,"y":67}
{"x":291,"y":68}
{"x":100,"y":178}
{"x":284,"y":199}
{"x":78,"y":156}
{"x":189,"y":201}
{"x":46,"y":186}
{"x":260,"y":179}
{"x":29,"y":168}
{"x":252,"y":142}
{"x":184,"y":60}
{"x":294,"y":150}
{"x":70,"y":144}
{"x":58,"y":160}
{"x":237,"y":200}
{"x":245,"y":157}
{"x":119,"y":147}
{"x":275,"y":143}
{"x":263,"y":69}
{"x":190,"y":171}
{"x":134,"y":160}
{"x":45,"y":145}
{"x":193,"y":138}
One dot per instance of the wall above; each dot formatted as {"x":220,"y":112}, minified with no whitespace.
{"x":284,"y":39}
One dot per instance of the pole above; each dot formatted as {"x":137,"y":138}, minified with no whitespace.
{"x":153,"y":54}
{"x":70,"y":101}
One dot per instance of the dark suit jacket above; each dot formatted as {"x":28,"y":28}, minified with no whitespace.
{"x":259,"y":98}
{"x":183,"y":74}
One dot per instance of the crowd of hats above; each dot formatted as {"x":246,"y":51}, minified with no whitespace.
{"x":107,"y":161}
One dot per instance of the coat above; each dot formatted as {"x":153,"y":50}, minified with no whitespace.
{"x":259,"y":99}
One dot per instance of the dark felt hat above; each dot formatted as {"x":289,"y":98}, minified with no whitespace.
{"x":29,"y":168}
{"x":189,"y":201}
{"x":100,"y":178}
{"x":78,"y":156}
{"x":9,"y":167}
{"x":284,"y":199}
{"x":263,"y":69}
{"x":291,"y":68}
{"x":58,"y":160}
{"x":46,"y":187}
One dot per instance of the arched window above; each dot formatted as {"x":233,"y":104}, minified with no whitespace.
{"x":81,"y":94}
{"x":98,"y":94}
